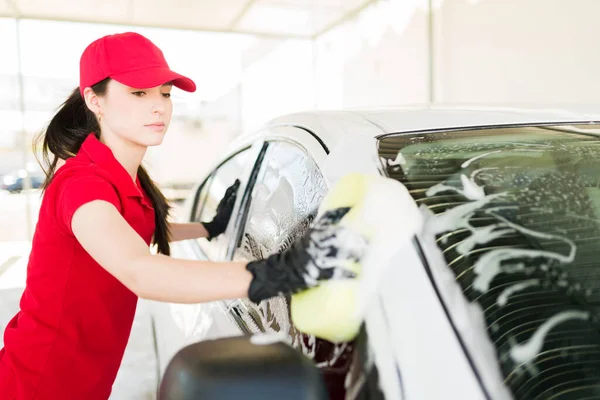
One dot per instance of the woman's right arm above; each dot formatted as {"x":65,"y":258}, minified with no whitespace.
{"x":108,"y":238}
{"x":322,"y":253}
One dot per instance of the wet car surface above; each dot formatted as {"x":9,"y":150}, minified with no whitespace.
{"x":495,"y":298}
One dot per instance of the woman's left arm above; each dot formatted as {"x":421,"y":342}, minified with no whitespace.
{"x":186,"y":231}
{"x":209,"y":230}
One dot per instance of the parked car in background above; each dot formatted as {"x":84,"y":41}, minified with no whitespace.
{"x":14,"y":181}
{"x":496,"y":298}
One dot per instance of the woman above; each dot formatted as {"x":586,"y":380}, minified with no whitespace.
{"x":90,"y":258}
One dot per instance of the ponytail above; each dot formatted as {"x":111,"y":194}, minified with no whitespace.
{"x":161,"y":206}
{"x":63,"y":138}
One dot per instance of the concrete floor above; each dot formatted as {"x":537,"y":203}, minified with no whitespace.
{"x":137,"y":378}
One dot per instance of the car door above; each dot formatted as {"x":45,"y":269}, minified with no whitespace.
{"x":280,"y":204}
{"x":177,"y":325}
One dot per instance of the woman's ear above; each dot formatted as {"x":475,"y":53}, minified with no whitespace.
{"x":92,"y":101}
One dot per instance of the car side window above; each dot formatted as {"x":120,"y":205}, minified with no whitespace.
{"x":211,"y":193}
{"x":283,"y":202}
{"x":200,"y":199}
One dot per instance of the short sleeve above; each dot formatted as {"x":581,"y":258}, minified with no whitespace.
{"x":77,"y":190}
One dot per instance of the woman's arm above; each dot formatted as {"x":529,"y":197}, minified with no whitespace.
{"x":109,"y":240}
{"x":320,"y":254}
{"x":186,"y":231}
{"x":206,"y":229}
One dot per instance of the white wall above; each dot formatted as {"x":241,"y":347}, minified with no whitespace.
{"x":378,"y":59}
{"x":483,"y":51}
{"x":280,"y":81}
{"x":525,"y":51}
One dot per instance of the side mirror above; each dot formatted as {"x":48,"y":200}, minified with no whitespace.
{"x":236,"y":368}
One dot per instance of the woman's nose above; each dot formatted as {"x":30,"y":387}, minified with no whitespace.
{"x":158,"y":109}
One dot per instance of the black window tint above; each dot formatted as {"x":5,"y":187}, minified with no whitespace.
{"x":210,"y":195}
{"x":516,"y":214}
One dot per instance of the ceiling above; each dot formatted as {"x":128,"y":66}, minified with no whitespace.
{"x":266,"y":18}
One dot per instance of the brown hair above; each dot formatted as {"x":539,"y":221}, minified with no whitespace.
{"x":63,"y":138}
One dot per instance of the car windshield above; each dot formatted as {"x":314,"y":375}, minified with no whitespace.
{"x":515,"y":211}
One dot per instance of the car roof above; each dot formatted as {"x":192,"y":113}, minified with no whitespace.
{"x":331,"y":126}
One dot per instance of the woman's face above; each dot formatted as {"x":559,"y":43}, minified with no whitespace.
{"x":140,"y":116}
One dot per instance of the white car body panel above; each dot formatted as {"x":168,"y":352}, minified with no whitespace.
{"x":177,"y":325}
{"x":428,"y":355}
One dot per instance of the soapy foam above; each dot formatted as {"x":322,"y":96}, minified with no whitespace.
{"x":310,"y":348}
{"x":480,"y":156}
{"x":348,"y":244}
{"x":250,"y":322}
{"x":284,"y":332}
{"x":525,"y":353}
{"x":517,"y":287}
{"x":266,"y":339}
{"x":337,"y":352}
{"x":458,"y":217}
{"x":400,"y":160}
{"x":482,"y":235}
{"x":537,"y":234}
{"x":470,"y":189}
{"x":471,"y":160}
{"x":489,"y":265}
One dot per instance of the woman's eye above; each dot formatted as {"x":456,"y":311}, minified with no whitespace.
{"x":139,"y":94}
{"x":166,"y":95}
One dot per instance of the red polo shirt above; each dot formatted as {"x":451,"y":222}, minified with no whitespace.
{"x":68,"y":339}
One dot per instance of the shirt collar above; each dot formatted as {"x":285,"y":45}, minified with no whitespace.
{"x":101,"y":155}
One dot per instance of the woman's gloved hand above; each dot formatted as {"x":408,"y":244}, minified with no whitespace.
{"x":320,"y":254}
{"x":224,"y":209}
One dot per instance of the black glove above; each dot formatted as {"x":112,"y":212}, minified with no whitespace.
{"x":319,"y":255}
{"x":224,"y":209}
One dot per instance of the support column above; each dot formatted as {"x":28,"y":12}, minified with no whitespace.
{"x":25,"y":148}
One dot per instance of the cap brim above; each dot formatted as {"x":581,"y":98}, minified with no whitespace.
{"x":152,"y":77}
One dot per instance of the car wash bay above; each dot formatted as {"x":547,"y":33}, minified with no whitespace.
{"x":259,"y":59}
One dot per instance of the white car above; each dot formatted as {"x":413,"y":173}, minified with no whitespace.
{"x":495,"y":298}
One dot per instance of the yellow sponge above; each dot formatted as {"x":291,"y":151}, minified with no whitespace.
{"x":330,"y":311}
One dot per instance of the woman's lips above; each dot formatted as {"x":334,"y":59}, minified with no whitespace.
{"x":157,"y":126}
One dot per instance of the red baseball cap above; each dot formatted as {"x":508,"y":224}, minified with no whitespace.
{"x":128,"y":58}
